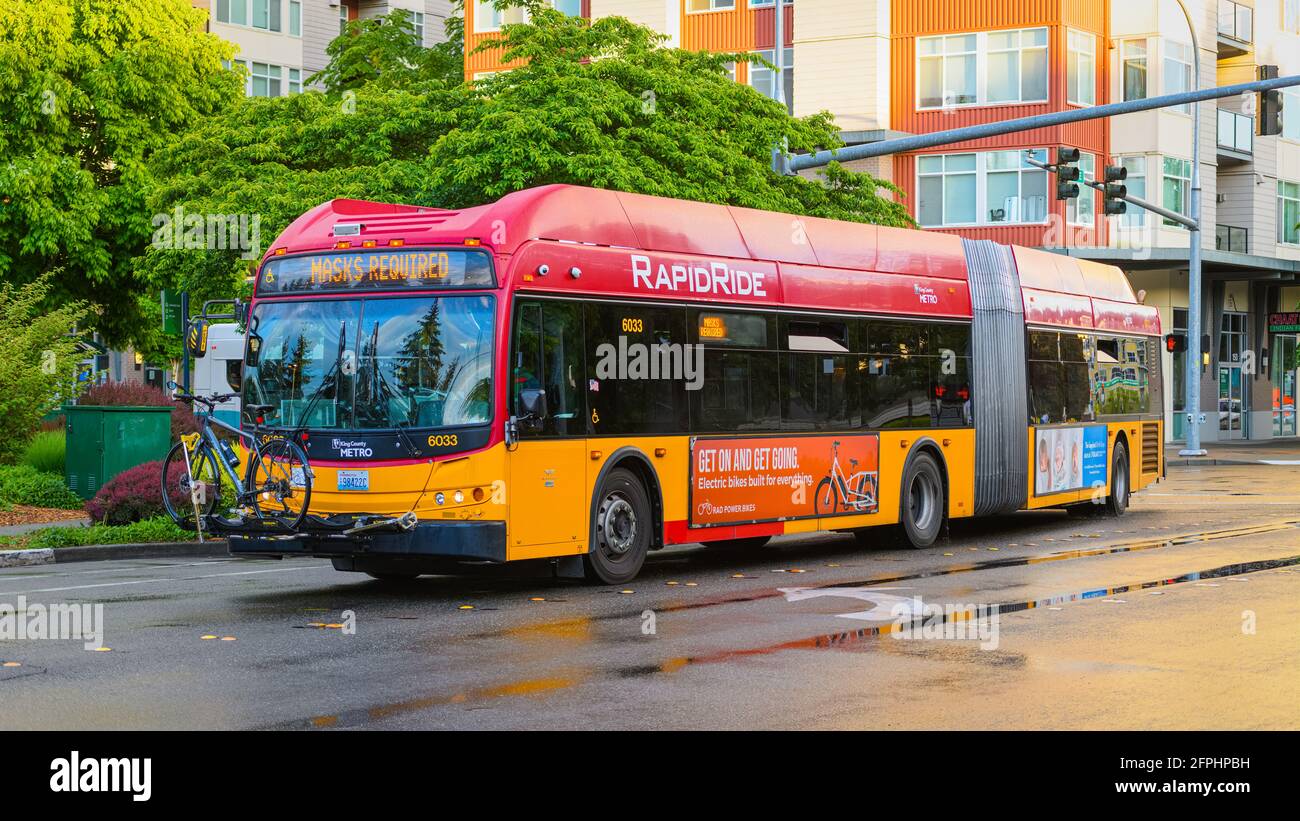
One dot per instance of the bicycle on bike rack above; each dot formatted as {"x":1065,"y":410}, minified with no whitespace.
{"x":852,"y":493}
{"x":274,"y":492}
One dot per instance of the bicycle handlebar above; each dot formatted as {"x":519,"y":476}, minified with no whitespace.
{"x":210,"y":401}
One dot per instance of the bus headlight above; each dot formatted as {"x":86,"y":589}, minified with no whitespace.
{"x":459,"y":497}
{"x":439,"y":497}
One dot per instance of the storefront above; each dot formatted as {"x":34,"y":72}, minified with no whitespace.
{"x":1282,"y":330}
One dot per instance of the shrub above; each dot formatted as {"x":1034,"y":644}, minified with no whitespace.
{"x":158,"y":529}
{"x":38,"y":359}
{"x":24,"y":485}
{"x":46,"y":451}
{"x":130,"y":496}
{"x":123,"y":394}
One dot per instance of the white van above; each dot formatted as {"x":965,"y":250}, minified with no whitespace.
{"x":221,"y":370}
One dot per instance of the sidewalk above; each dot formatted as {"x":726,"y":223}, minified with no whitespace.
{"x":1256,"y":452}
{"x":18,"y":530}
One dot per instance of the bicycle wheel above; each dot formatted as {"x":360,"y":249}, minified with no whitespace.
{"x":182,"y":487}
{"x":279,"y":483}
{"x":827,"y":496}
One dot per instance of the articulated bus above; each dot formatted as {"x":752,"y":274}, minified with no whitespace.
{"x":583,"y":376}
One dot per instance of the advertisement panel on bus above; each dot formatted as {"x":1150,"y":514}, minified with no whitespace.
{"x":778,"y":478}
{"x":1069,"y":459}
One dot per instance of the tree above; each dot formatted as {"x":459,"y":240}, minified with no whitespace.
{"x":92,"y":89}
{"x":385,"y":52}
{"x":38,"y":359}
{"x":603,"y":103}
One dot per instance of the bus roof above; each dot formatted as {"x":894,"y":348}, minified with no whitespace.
{"x":1059,"y":290}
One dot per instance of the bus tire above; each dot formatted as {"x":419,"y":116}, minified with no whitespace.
{"x":743,"y":545}
{"x":620,"y":529}
{"x":922,"y":501}
{"x":1117,"y":501}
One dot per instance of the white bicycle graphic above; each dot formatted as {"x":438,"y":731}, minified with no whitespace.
{"x":855,"y":492}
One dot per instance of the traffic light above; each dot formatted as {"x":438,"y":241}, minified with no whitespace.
{"x":1067,"y":174}
{"x":1115,"y":191}
{"x":1270,"y":105}
{"x":1175,"y":343}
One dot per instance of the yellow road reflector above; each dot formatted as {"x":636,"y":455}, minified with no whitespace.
{"x":208,"y":637}
{"x":227,"y":638}
{"x":537,"y":598}
{"x":692,"y":584}
{"x":626,"y":592}
{"x":13,"y":664}
{"x":103,"y":649}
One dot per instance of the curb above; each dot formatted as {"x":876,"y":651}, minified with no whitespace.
{"x":98,"y":553}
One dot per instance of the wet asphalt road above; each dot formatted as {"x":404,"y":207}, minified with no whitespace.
{"x":782,"y":638}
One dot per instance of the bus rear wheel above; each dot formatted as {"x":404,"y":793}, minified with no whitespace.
{"x":620,"y":530}
{"x":922,"y":501}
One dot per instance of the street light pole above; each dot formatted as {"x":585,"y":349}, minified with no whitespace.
{"x":778,"y":51}
{"x":1192,"y":398}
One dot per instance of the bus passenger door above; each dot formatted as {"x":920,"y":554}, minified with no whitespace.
{"x":547,"y":490}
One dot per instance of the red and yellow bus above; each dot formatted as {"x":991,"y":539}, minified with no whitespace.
{"x":584,"y":376}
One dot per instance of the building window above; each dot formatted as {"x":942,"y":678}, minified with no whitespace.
{"x":265,"y":80}
{"x":1177,"y":187}
{"x":1082,"y":209}
{"x":1178,"y":71}
{"x":489,"y":18}
{"x":1133,"y":56}
{"x":1291,"y":15}
{"x":1291,"y":113}
{"x":991,"y":188}
{"x":710,"y":5}
{"x":343,"y":18}
{"x":1081,"y":69}
{"x":1136,"y":182}
{"x":295,"y":18}
{"x":763,"y":78}
{"x":417,"y":21}
{"x":982,"y":68}
{"x":1288,"y":212}
{"x":573,"y":8}
{"x":232,"y":11}
{"x":295,"y":81}
{"x":266,"y":14}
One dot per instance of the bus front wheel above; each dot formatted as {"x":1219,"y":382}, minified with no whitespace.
{"x":922,"y":500}
{"x":1117,"y":501}
{"x":620,"y":529}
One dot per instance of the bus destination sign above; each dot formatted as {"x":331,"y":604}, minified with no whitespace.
{"x":376,"y":270}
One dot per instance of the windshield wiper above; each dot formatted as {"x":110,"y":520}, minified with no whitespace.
{"x":338,"y":362}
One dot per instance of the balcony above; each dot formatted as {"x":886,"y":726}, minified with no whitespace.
{"x":1236,"y":28}
{"x":1230,"y":238}
{"x":1236,"y":137}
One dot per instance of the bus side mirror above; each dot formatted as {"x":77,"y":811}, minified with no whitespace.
{"x":252,"y":350}
{"x":242,"y":310}
{"x":532,"y":402}
{"x":196,"y":340}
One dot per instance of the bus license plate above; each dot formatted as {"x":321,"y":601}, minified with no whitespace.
{"x":354,"y":480}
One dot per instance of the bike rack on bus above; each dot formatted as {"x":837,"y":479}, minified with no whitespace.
{"x":336,"y":526}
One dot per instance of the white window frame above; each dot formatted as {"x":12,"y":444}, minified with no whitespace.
{"x":981,"y":55}
{"x":230,"y":4}
{"x":713,"y":5}
{"x":486,"y":5}
{"x":294,"y":83}
{"x":1073,"y":38}
{"x":417,"y":21}
{"x":1187,"y":189}
{"x":982,"y":173}
{"x":1075,"y":213}
{"x":1135,"y":217}
{"x":1188,"y":66}
{"x":274,"y":16}
{"x":769,"y":55}
{"x":277,"y":77}
{"x":295,"y":32}
{"x":1125,"y":58}
{"x":1282,"y":199}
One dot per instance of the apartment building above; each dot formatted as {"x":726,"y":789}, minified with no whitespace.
{"x":282,"y":42}
{"x":891,"y":67}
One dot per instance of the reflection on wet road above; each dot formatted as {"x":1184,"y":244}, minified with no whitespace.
{"x":1181,"y":614}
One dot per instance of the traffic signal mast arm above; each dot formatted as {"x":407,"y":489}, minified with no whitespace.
{"x":1138,"y":201}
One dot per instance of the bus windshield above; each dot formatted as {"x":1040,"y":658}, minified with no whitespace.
{"x":374,"y":363}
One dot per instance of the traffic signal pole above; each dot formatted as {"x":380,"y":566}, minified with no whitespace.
{"x":787,"y":164}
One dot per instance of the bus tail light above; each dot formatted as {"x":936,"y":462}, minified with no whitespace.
{"x":477,"y":494}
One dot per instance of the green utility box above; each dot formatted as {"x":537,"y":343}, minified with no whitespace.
{"x":103,"y":441}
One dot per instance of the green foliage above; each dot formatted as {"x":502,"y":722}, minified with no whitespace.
{"x":92,"y":88}
{"x":604,"y":104}
{"x":24,"y":485}
{"x":38,"y":360}
{"x":601,"y":103}
{"x":148,"y":531}
{"x":46,"y":452}
{"x":384,"y":52}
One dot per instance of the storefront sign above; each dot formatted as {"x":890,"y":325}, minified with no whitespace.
{"x":1284,"y":323}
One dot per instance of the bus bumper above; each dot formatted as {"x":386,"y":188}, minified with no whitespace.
{"x":457,"y":541}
